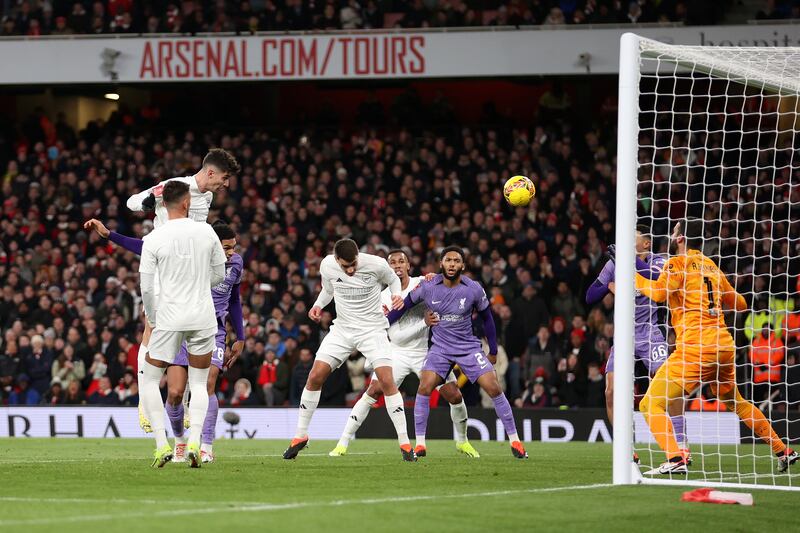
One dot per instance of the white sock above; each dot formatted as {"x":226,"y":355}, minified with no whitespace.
{"x":205,"y":448}
{"x":180,"y":440}
{"x":394,"y":405}
{"x":198,"y":404}
{"x":186,"y":397}
{"x":421,"y":440}
{"x":150,"y":398}
{"x":513,"y":437}
{"x":140,"y":357}
{"x":357,"y":416}
{"x":459,"y":415}
{"x":308,"y":404}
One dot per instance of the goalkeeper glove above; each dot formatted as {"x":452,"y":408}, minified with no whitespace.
{"x":612,"y":252}
{"x":149,"y":203}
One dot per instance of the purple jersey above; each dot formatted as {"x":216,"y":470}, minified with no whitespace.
{"x":646,"y":311}
{"x":221,"y":293}
{"x":453,"y":334}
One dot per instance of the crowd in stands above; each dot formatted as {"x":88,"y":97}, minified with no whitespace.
{"x":70,"y":309}
{"x":779,"y":9}
{"x":45,"y":17}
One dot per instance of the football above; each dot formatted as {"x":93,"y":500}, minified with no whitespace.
{"x":519,"y":191}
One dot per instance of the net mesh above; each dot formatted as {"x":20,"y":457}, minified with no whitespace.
{"x":718,"y":140}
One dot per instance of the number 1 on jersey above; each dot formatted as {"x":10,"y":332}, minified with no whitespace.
{"x":713,"y":310}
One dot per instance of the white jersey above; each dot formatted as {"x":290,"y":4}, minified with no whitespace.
{"x":198,"y":209}
{"x":357,"y":297}
{"x":182,"y":253}
{"x":409,"y":334}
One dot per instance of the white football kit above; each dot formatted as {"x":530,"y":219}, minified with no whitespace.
{"x":408,"y":337}
{"x":198,"y":208}
{"x":188,"y":258}
{"x":360,"y":323}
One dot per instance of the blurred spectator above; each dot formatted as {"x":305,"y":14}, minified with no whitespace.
{"x":542,"y":352}
{"x":74,"y":394}
{"x":273,"y":378}
{"x":243,"y":394}
{"x":65,"y":368}
{"x":535,"y":395}
{"x":595,"y":386}
{"x":56,"y":394}
{"x":300,"y":374}
{"x":38,"y":365}
{"x":767,"y":353}
{"x":104,"y":395}
{"x":24,"y":393}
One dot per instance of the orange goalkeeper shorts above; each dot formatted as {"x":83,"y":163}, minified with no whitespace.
{"x":692,"y":369}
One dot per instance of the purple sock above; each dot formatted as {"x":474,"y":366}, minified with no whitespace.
{"x":210,"y":423}
{"x":422,"y":408}
{"x":503,"y":410}
{"x":679,"y":427}
{"x":175,"y":415}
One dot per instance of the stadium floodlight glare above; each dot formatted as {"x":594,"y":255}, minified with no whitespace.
{"x":711,"y":133}
{"x":111,"y":96}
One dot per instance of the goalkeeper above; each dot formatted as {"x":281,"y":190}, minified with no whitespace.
{"x":695,"y":290}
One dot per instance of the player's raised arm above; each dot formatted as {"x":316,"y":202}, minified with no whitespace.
{"x":142,"y":201}
{"x":730,"y":298}
{"x":598,"y":290}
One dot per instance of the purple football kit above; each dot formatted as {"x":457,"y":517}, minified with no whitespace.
{"x":221,"y":294}
{"x":453,"y":342}
{"x":650,"y":347}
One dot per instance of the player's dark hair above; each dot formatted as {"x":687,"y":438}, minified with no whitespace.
{"x":693,"y":232}
{"x":397,"y":251}
{"x":173,"y":192}
{"x":223,"y":230}
{"x":456,"y":249}
{"x":346,"y":249}
{"x":644,"y":231}
{"x":223,"y":160}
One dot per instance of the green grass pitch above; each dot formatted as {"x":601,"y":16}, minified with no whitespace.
{"x":107,"y":485}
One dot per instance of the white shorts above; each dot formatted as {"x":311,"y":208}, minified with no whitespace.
{"x":165,"y":345}
{"x":405,"y":363}
{"x":339,"y":343}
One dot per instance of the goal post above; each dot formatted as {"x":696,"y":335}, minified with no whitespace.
{"x":712,"y":133}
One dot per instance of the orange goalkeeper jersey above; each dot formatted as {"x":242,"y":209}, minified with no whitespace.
{"x":695,"y":290}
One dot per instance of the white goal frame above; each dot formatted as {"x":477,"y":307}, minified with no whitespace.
{"x":633,"y":49}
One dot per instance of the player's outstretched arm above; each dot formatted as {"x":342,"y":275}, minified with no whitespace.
{"x":656,"y":290}
{"x":395,"y":314}
{"x":596,"y":292}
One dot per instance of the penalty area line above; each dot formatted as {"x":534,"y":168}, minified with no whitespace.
{"x":267,"y":507}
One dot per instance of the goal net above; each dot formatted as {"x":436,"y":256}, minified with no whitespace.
{"x":710,"y":133}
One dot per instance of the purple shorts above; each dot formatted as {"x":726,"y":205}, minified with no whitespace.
{"x":653,"y":354}
{"x":217,"y":356}
{"x":472,"y":365}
